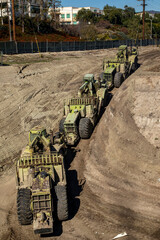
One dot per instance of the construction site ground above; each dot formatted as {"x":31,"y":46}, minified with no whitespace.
{"x":114,"y":177}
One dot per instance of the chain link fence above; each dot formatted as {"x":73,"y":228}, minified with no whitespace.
{"x":33,"y":47}
{"x":1,"y":58}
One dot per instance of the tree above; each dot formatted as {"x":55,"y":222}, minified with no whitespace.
{"x":115,"y":16}
{"x":85,"y":16}
{"x":157,"y":18}
{"x":134,"y":27}
{"x":107,"y":10}
{"x":129,"y":12}
{"x":89,"y":32}
{"x":1,"y":13}
{"x":54,"y":4}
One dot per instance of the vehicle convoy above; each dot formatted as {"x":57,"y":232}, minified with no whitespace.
{"x":41,"y":181}
{"x":118,"y":69}
{"x":81,"y":113}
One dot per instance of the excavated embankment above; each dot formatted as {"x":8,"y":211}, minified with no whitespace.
{"x":122,"y":163}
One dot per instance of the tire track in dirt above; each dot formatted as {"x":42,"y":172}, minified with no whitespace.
{"x":12,"y":235}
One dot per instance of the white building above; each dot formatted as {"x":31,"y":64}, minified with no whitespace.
{"x":32,"y":8}
{"x":68,"y":14}
{"x":151,"y":13}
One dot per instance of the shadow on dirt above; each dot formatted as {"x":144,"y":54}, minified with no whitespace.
{"x":156,"y":234}
{"x":109,"y":98}
{"x":4,"y":65}
{"x":74,"y":189}
{"x":74,"y":186}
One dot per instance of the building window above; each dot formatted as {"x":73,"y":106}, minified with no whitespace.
{"x":63,"y":16}
{"x":95,"y":10}
{"x":68,"y":15}
{"x":74,"y":15}
{"x":74,"y":23}
{"x":4,"y":5}
{"x":35,"y":9}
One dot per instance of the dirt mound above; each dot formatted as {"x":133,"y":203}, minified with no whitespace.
{"x":122,"y":165}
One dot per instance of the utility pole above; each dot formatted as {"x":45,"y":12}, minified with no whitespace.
{"x":144,"y":5}
{"x":1,"y":12}
{"x":144,"y":19}
{"x":13,"y":19}
{"x":8,"y":13}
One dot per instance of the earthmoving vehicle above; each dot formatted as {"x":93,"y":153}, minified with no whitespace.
{"x":81,"y":113}
{"x":118,"y":69}
{"x":41,"y":181}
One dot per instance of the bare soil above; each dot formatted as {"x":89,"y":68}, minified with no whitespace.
{"x":113,"y":178}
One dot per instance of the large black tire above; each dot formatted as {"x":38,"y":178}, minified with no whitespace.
{"x":85,"y":128}
{"x":135,"y":65}
{"x":118,"y":79}
{"x":105,"y":99}
{"x":23,"y":206}
{"x":62,"y":203}
{"x":61,"y":125}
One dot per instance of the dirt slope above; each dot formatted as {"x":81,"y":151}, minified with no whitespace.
{"x":113,"y":177}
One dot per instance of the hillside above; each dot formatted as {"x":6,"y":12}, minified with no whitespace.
{"x":56,"y":36}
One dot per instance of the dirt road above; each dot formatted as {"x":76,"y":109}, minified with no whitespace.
{"x":114,"y":176}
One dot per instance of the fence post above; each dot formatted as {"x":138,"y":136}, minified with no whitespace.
{"x":74,"y":46}
{"x":32,"y":46}
{"x":47,"y":45}
{"x":5,"y":48}
{"x":1,"y":58}
{"x":112,"y":44}
{"x":16,"y":47}
{"x":61,"y":47}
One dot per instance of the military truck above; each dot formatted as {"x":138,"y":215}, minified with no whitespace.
{"x":118,"y":69}
{"x":41,"y":181}
{"x":81,"y":113}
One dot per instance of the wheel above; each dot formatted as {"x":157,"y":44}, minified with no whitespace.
{"x":23,"y":206}
{"x":61,"y":125}
{"x":118,"y":79}
{"x":133,"y":67}
{"x":85,"y":128}
{"x":101,"y":76}
{"x":105,"y":99}
{"x":136,"y":63}
{"x":62,"y":203}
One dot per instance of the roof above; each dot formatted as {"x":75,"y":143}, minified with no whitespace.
{"x":122,"y":47}
{"x":89,"y":76}
{"x":109,"y":70}
{"x":37,"y":128}
{"x":71,"y":118}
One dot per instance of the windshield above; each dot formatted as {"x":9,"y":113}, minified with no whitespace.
{"x":33,"y":136}
{"x":70,"y":128}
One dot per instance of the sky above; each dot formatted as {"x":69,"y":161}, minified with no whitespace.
{"x":152,"y":4}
